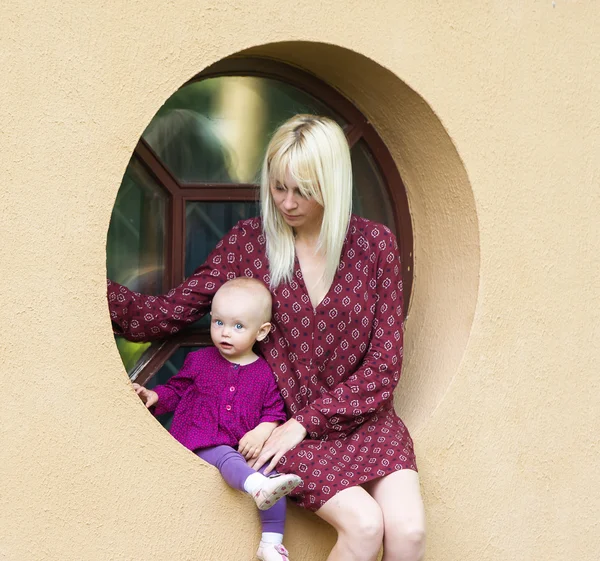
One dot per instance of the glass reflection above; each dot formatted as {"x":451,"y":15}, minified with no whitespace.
{"x":369,"y":197}
{"x":216,"y":130}
{"x":136,"y":236}
{"x":135,"y":243}
{"x":206,"y":223}
{"x":212,"y":131}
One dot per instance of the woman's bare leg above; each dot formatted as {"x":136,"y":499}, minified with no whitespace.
{"x":399,"y":497}
{"x":359,"y":523}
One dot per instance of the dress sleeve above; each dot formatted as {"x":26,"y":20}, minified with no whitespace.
{"x":273,"y":409}
{"x":371,"y":386}
{"x":141,"y":317}
{"x":170,"y":394}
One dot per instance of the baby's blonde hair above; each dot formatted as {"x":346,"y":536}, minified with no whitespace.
{"x":315,"y":152}
{"x":257,"y":292}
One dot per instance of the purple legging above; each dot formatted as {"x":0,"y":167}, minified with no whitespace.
{"x":235,"y":470}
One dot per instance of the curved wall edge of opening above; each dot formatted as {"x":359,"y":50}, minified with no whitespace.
{"x":442,"y":208}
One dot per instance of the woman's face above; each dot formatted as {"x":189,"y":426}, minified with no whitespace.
{"x":297,"y":211}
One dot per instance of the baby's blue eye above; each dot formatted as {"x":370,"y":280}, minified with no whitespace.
{"x":218,"y":322}
{"x":238,"y":326}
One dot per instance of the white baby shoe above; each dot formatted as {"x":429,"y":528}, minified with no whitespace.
{"x":272,"y":552}
{"x":273,"y":488}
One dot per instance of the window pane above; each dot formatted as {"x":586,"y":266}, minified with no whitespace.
{"x":216,"y":130}
{"x":130,"y":351}
{"x":206,"y":223}
{"x":170,"y":367}
{"x":135,"y":244}
{"x":370,"y":199}
{"x":136,"y":235}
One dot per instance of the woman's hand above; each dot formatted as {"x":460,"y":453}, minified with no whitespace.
{"x":149,"y":397}
{"x":282,"y":439}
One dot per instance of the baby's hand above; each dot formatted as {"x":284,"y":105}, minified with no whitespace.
{"x":251,"y":444}
{"x":149,"y":397}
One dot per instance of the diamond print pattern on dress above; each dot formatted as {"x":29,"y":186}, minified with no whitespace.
{"x":336,"y":371}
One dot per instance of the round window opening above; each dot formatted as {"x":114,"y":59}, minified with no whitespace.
{"x":195,"y":173}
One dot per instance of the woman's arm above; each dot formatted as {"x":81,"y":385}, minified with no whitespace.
{"x":371,"y":386}
{"x":141,"y":317}
{"x":281,"y":438}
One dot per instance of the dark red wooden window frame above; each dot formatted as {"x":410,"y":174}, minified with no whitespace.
{"x":357,"y":128}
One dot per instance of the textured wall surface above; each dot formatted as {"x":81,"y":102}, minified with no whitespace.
{"x":491,"y":112}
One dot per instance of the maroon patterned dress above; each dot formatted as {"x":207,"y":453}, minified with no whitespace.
{"x":336,"y":365}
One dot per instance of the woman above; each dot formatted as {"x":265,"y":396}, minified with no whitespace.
{"x":336,"y":343}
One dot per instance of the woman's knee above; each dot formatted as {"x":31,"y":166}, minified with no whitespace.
{"x":357,"y":518}
{"x":363,"y":531}
{"x":399,"y":497}
{"x":366,"y":526}
{"x":404,"y":542}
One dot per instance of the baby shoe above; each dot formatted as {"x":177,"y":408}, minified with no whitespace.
{"x":274,"y":487}
{"x":272,"y":552}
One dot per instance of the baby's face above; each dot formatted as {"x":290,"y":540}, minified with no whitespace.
{"x":236,"y":322}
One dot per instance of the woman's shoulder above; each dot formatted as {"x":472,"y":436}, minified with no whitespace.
{"x":370,"y":232}
{"x":250,"y":226}
{"x":243,"y":231}
{"x":246,"y":229}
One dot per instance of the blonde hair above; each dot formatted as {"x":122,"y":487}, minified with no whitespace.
{"x":315,"y":152}
{"x":257,"y":292}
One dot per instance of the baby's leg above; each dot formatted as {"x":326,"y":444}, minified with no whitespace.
{"x":229,"y":462}
{"x":273,"y":519}
{"x":266,"y":492}
{"x":272,"y":522}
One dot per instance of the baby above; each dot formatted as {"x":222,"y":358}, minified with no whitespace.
{"x":225,"y":397}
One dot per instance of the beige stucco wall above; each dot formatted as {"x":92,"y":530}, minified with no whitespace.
{"x":491,"y":112}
